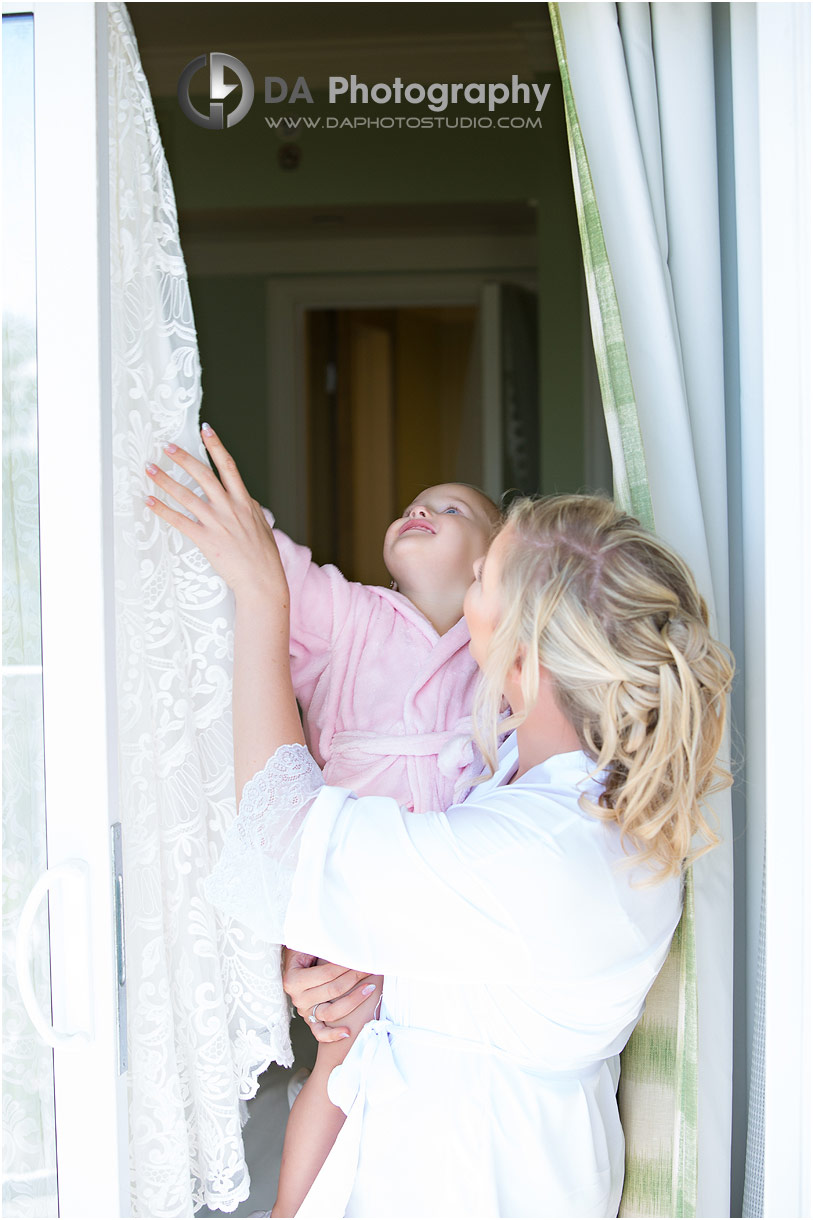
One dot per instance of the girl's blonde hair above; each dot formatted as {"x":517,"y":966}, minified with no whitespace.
{"x":614,"y":615}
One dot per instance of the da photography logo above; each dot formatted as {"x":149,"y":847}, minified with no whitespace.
{"x":218,"y":89}
{"x":438,"y":97}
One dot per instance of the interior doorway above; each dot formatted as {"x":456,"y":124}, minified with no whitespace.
{"x":393,"y":406}
{"x":384,"y":385}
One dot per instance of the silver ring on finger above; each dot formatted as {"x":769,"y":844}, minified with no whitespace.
{"x":313,"y":1018}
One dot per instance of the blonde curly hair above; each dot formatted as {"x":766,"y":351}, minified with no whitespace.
{"x":615,"y":616}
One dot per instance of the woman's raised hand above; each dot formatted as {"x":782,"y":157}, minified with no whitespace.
{"x":227,"y":525}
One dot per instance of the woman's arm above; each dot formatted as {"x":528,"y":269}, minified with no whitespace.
{"x":264,"y":708}
{"x":235,"y":534}
{"x":230,"y":529}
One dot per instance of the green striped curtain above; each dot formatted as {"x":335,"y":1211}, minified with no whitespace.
{"x":657,"y":1095}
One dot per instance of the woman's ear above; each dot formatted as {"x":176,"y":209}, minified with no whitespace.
{"x":513,"y":682}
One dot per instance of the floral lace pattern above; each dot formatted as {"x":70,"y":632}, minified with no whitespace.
{"x":252,"y":880}
{"x":207,"y":1012}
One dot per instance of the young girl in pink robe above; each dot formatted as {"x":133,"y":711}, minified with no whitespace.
{"x":386,"y":683}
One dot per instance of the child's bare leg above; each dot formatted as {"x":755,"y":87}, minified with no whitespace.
{"x":314,"y":1122}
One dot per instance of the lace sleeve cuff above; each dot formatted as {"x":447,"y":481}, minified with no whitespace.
{"x":252,"y":879}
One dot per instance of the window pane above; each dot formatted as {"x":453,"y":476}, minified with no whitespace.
{"x":29,"y":1151}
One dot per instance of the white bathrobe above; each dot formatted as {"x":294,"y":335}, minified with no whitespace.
{"x":517,"y":947}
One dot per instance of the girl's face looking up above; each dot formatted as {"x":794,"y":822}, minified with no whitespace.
{"x":433,"y":545}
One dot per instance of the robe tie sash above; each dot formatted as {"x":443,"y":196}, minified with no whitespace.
{"x":410,"y":745}
{"x":353,"y":1083}
{"x":348,"y":1088}
{"x":368,"y":752}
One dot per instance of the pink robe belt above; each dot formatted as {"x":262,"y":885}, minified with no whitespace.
{"x":358,"y":759}
{"x":452,"y":747}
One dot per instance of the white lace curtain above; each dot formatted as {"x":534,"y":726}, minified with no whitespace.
{"x":206,"y":1009}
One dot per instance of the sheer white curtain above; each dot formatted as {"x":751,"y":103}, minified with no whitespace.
{"x":206,"y":1008}
{"x":643,"y":85}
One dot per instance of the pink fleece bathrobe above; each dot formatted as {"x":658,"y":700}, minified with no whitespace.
{"x":386,"y":700}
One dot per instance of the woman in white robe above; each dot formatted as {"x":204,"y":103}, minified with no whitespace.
{"x":518,"y":933}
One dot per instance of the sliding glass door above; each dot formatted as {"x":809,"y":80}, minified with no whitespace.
{"x":64,"y":1104}
{"x":29,"y":1125}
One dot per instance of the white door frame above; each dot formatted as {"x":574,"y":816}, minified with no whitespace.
{"x":782,"y":90}
{"x":75,"y":451}
{"x":288,"y":298}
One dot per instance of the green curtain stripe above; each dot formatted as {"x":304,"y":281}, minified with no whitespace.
{"x":615,"y":380}
{"x":648,"y":1185}
{"x":657,"y":1055}
{"x":686,"y":1139}
{"x":657,"y":1093}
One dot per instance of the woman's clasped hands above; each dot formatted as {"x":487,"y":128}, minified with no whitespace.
{"x":227,"y":524}
{"x":324,"y":993}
